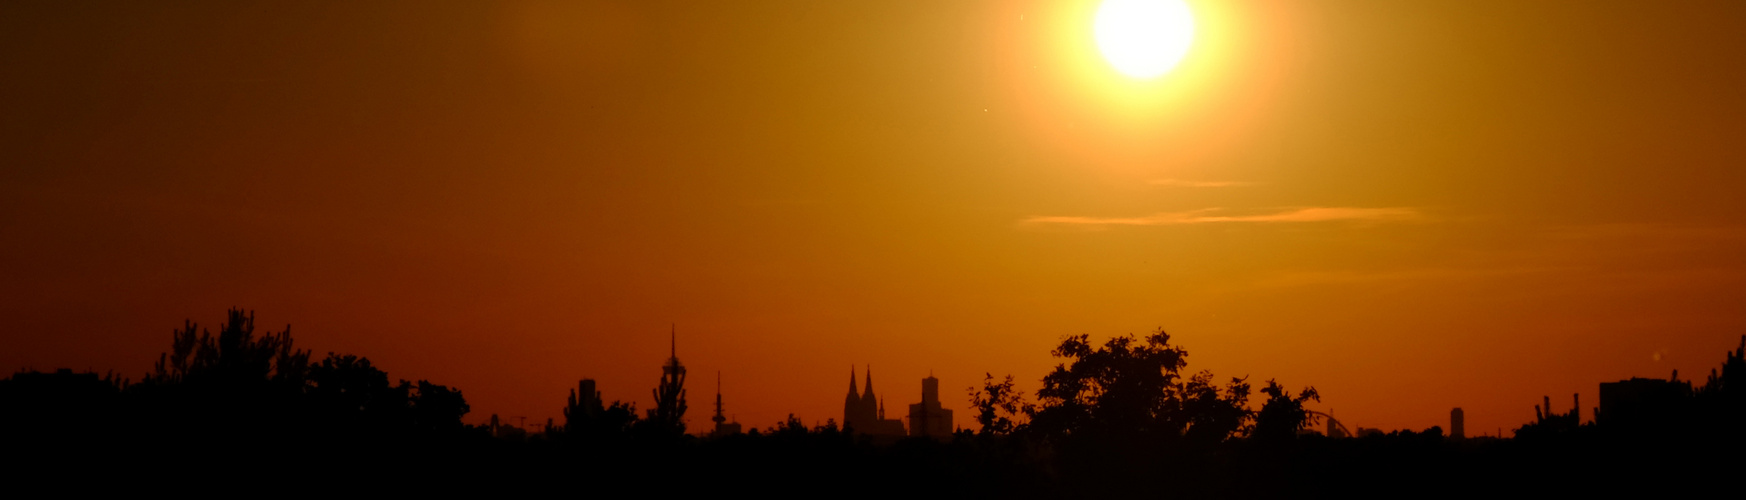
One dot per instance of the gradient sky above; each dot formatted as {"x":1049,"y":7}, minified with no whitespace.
{"x":1411,"y":206}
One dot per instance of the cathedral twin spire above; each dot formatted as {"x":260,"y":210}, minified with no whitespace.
{"x":864,"y":411}
{"x":856,"y":395}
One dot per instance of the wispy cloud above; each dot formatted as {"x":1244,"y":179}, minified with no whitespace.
{"x":1430,"y":274}
{"x":1209,"y":215}
{"x":1198,"y":184}
{"x":778,"y":202}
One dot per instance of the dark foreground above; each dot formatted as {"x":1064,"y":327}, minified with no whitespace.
{"x":238,"y":414}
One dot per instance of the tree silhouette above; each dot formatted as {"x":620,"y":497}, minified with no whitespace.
{"x":435,"y":407}
{"x":1211,"y":414}
{"x":669,"y":413}
{"x":350,"y":383}
{"x":997,"y":406}
{"x":1282,"y":415}
{"x":1129,"y":387}
{"x":261,"y":385}
{"x":349,"y":392}
{"x":234,"y":359}
{"x":1722,"y":399}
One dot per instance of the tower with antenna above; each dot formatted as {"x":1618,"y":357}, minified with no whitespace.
{"x":669,"y":412}
{"x":722,"y":426}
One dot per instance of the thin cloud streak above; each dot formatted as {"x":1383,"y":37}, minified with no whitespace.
{"x":1204,"y":216}
{"x":1198,"y":184}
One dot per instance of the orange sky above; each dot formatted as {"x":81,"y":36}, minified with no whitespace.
{"x":1410,"y":205}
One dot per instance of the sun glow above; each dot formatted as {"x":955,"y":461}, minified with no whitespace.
{"x":1144,"y":38}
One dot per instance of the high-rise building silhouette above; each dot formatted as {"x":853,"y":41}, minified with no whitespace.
{"x":864,"y":413}
{"x":1335,"y":429}
{"x":1457,"y":424}
{"x":928,"y":418}
{"x":583,"y":406}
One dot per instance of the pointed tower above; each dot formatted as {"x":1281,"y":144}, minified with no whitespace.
{"x":722,"y":426}
{"x":869,"y":402}
{"x":854,"y":394}
{"x":718,"y":419}
{"x":852,"y":402}
{"x":864,"y":410}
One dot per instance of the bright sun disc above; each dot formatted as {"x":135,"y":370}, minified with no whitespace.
{"x":1144,"y":38}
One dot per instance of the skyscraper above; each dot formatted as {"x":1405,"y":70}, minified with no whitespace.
{"x":1457,"y":424}
{"x":584,"y":405}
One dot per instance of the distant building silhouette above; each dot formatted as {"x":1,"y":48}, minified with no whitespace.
{"x":504,"y":431}
{"x":865,"y":413}
{"x":1457,"y":424}
{"x":927,"y":418}
{"x":1335,"y":429}
{"x":722,"y":426}
{"x":584,"y":403}
{"x":1368,"y":431}
{"x":1546,"y":422}
{"x":1641,"y":402}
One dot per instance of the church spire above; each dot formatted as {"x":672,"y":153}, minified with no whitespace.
{"x":869,"y":393}
{"x":853,"y":392}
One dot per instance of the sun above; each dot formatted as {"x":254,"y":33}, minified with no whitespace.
{"x":1144,"y":38}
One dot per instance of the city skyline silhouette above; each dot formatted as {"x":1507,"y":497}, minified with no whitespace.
{"x":1113,"y":408}
{"x":1411,"y":208}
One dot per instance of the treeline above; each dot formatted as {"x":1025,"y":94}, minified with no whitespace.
{"x":1124,"y":419}
{"x":1121,"y":418}
{"x":240,"y":401}
{"x":230,"y":383}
